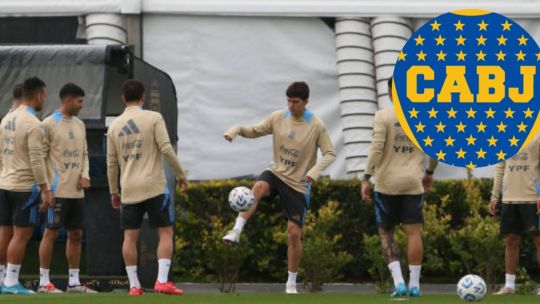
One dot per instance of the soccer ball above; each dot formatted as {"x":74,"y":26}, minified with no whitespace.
{"x":241,"y":199}
{"x":471,"y":288}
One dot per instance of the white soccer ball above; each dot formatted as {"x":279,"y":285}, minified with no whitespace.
{"x":241,"y":199}
{"x":471,"y":288}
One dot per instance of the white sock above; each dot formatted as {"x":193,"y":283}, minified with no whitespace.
{"x":395,"y":269}
{"x":44,"y":276}
{"x":12,"y":275}
{"x":163,"y":270}
{"x":132,"y":276}
{"x":414,"y":277}
{"x":74,"y":277}
{"x":239,"y":225}
{"x":2,"y":274}
{"x":510,"y":281}
{"x":292,"y":278}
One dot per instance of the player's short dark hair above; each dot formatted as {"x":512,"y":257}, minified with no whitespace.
{"x":71,"y":90}
{"x":132,"y":90}
{"x":390,"y":80}
{"x":298,"y":89}
{"x":31,"y":86}
{"x":18,"y":91}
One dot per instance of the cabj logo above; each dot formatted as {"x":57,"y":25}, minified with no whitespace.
{"x":465,"y":86}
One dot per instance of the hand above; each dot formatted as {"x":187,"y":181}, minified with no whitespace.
{"x":427,"y":181}
{"x":83,"y":184}
{"x":116,"y":200}
{"x":47,"y":200}
{"x":184,"y":184}
{"x":366,"y":191}
{"x":228,"y":137}
{"x":492,"y":207}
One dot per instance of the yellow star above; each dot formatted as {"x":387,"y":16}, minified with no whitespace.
{"x":460,"y":127}
{"x":481,"y":154}
{"x":435,"y":26}
{"x":481,"y":127}
{"x":428,"y":141}
{"x":470,"y":140}
{"x":461,"y":153}
{"x":470,"y":113}
{"x":522,"y":40}
{"x":481,"y":56}
{"x":440,"y":40}
{"x":461,"y":56}
{"x":513,"y":141}
{"x":520,"y":56}
{"x":522,"y":127}
{"x":401,"y":56}
{"x":460,"y":40}
{"x":492,"y":141}
{"x":440,"y":127}
{"x":509,"y":113}
{"x":502,"y":40}
{"x":501,"y":127}
{"x":483,"y":26}
{"x":451,"y":113}
{"x":419,"y":40}
{"x":481,"y":40}
{"x":449,"y":141}
{"x":500,"y":56}
{"x":490,"y":113}
{"x":413,"y":113}
{"x":506,"y":26}
{"x":432,"y":113}
{"x":538,"y":56}
{"x":441,"y":56}
{"x":421,"y":56}
{"x":470,"y":165}
{"x":440,"y":155}
{"x":501,"y":155}
{"x":528,"y":113}
{"x":420,"y":127}
{"x":459,"y":26}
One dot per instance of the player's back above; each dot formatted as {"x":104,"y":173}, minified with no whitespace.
{"x":401,"y":167}
{"x":16,"y":127}
{"x":141,"y":166}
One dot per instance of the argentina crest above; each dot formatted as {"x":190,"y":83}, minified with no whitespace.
{"x":466,"y":88}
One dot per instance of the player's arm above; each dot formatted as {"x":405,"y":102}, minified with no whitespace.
{"x":375,"y":153}
{"x":84,"y":181}
{"x":36,"y":136}
{"x":261,"y":129}
{"x":497,"y":187}
{"x":112,"y":170}
{"x":161,"y":137}
{"x":427,"y":180}
{"x":1,"y":149}
{"x":324,"y":143}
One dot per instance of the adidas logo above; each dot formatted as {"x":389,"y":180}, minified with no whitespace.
{"x":11,"y":124}
{"x":129,"y":128}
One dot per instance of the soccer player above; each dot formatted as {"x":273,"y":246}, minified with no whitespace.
{"x":67,"y":167}
{"x":138,"y":141}
{"x":517,"y":179}
{"x":22,"y":177}
{"x":296,"y":135}
{"x":398,"y":166}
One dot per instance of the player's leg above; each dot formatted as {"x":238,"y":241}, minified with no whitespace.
{"x":131,"y":219}
{"x":511,"y":229}
{"x":294,"y":254}
{"x":261,"y":189}
{"x":6,"y":233}
{"x":412,"y":217}
{"x":536,"y":238}
{"x":46,"y":248}
{"x":385,"y":217}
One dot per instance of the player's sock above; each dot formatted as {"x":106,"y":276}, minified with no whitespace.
{"x":132,"y":276}
{"x":2,"y":274}
{"x":74,"y":277}
{"x":163,"y":270}
{"x":239,"y":225}
{"x":395,"y":269}
{"x":292,"y":278}
{"x":44,"y":276}
{"x":12,"y":276}
{"x":414,"y":277}
{"x":510,"y":281}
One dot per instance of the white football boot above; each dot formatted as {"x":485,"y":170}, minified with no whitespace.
{"x":232,"y":236}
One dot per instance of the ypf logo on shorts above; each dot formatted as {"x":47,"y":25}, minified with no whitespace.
{"x":465,"y":86}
